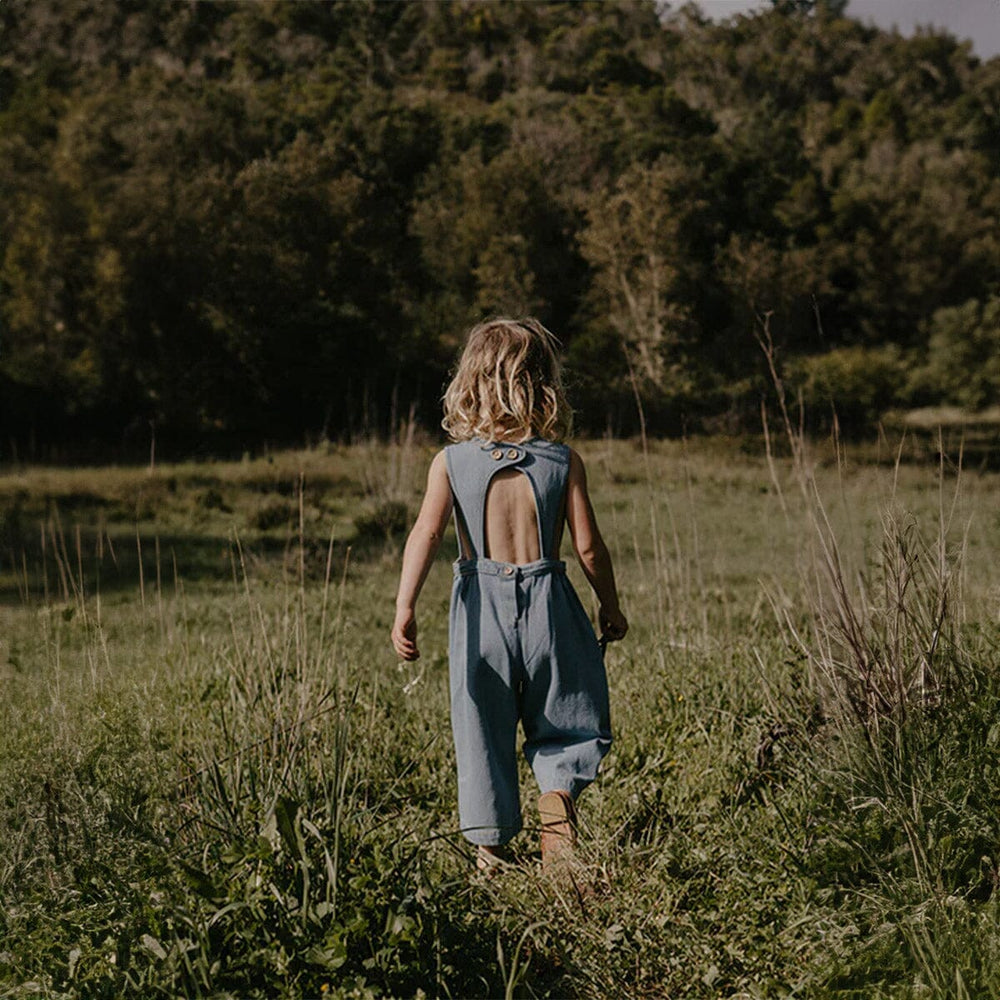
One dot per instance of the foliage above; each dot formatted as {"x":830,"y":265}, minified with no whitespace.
{"x":962,"y":364}
{"x":237,"y":223}
{"x":632,"y":243}
{"x":850,"y":385}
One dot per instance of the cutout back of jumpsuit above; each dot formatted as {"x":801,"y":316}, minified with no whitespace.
{"x":520,"y":647}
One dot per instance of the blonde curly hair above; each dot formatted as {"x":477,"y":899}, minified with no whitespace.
{"x":508,"y":385}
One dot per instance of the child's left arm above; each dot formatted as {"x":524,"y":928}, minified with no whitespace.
{"x":421,"y":547}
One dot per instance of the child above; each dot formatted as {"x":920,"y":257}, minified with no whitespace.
{"x":521,"y":645}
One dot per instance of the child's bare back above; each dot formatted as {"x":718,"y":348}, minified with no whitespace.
{"x":511,"y":519}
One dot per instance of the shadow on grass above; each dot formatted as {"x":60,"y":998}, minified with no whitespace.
{"x":88,"y":561}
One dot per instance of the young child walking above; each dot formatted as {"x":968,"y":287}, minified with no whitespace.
{"x":521,"y":646}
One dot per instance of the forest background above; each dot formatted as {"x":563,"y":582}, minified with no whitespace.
{"x":225,"y":224}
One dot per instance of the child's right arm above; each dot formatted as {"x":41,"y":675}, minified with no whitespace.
{"x":591,"y":552}
{"x":421,"y":547}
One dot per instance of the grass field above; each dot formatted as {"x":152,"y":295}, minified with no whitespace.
{"x":216,"y":779}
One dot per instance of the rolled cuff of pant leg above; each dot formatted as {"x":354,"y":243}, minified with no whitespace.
{"x":568,"y":767}
{"x":490,"y":836}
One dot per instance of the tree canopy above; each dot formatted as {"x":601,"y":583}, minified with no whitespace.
{"x":239,"y":222}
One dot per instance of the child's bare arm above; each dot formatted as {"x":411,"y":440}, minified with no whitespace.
{"x":591,"y":552}
{"x":421,"y":547}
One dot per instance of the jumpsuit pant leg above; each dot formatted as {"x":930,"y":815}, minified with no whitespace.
{"x":485,"y":677}
{"x":565,"y":711}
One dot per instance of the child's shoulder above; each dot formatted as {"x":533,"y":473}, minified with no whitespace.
{"x":577,"y":469}
{"x":454,"y":450}
{"x":439,"y":464}
{"x":547,"y":445}
{"x":457,"y":455}
{"x":558,"y":448}
{"x":565,"y":455}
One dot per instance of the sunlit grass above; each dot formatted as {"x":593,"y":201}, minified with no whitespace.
{"x":219,"y":781}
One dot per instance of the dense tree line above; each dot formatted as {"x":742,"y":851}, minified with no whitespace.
{"x":236,"y":222}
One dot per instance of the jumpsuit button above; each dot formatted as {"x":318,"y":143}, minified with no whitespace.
{"x":496,"y":454}
{"x":512,"y":453}
{"x":508,"y":571}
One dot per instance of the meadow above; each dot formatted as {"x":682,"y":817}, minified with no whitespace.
{"x":217,"y":780}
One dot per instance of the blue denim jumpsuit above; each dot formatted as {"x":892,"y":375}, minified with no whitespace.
{"x":521,"y":647}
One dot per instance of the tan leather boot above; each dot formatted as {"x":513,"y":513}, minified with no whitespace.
{"x":558,"y":816}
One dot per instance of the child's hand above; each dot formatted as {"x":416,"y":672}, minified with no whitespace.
{"x":614,"y":624}
{"x":404,"y":635}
